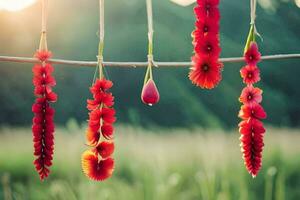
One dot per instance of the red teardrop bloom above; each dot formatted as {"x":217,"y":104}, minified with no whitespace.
{"x":94,"y":168}
{"x":150,"y":94}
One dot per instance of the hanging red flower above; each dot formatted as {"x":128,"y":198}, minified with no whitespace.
{"x":206,"y":70}
{"x":150,"y":94}
{"x":97,"y":164}
{"x":251,"y":128}
{"x":95,"y":168}
{"x":252,"y":55}
{"x":250,"y":74}
{"x":43,"y":125}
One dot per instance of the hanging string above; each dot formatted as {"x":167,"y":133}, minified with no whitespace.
{"x":253,"y":6}
{"x":101,"y":42}
{"x":150,"y":41}
{"x":43,"y":41}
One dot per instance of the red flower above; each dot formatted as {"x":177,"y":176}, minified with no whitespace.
{"x":92,"y":137}
{"x":94,"y":168}
{"x":207,"y":9}
{"x":105,"y":149}
{"x":252,"y":111}
{"x":107,"y":131}
{"x":43,"y":125}
{"x":208,"y":45}
{"x":251,"y":95}
{"x":252,"y":55}
{"x":250,"y":74}
{"x":150,"y":94}
{"x":252,"y":132}
{"x":43,"y":55}
{"x":204,"y":27}
{"x":206,"y":72}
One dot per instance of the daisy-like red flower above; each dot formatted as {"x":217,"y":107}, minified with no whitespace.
{"x":97,"y":164}
{"x":252,"y":133}
{"x":150,"y":94}
{"x":94,"y":168}
{"x":208,"y":46}
{"x":204,"y":27}
{"x":43,"y":125}
{"x":252,"y":111}
{"x":251,"y":95}
{"x":206,"y":72}
{"x":207,"y":8}
{"x":252,"y":55}
{"x":250,"y":74}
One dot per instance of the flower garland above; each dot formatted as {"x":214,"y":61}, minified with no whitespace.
{"x":206,"y":71}
{"x":43,"y":125}
{"x":251,"y":128}
{"x":97,"y":163}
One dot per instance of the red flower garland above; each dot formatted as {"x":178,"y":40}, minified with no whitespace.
{"x":251,"y":128}
{"x":97,"y":163}
{"x":206,"y":69}
{"x":43,"y":125}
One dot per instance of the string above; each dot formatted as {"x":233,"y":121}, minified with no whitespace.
{"x":253,"y":5}
{"x":43,"y":41}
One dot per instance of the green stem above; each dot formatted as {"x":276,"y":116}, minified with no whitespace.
{"x":250,"y":38}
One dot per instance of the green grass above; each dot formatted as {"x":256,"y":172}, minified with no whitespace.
{"x":154,"y":165}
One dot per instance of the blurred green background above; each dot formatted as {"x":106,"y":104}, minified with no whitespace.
{"x":185,"y":147}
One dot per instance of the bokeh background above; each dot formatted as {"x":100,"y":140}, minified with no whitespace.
{"x":185,"y":147}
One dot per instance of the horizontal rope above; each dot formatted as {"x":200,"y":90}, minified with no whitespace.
{"x":138,"y":64}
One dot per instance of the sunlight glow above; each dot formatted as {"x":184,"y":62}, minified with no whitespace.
{"x":15,"y":5}
{"x":297,"y":3}
{"x":184,"y":2}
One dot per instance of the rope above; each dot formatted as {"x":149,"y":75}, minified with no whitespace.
{"x":139,"y":64}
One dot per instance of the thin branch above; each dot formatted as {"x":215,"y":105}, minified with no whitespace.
{"x":139,"y":64}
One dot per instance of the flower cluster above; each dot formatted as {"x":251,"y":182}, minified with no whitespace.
{"x":43,"y":125}
{"x":97,"y":163}
{"x":206,"y":71}
{"x":251,"y":128}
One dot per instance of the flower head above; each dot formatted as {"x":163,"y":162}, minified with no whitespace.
{"x":250,"y":74}
{"x":252,"y":55}
{"x":207,"y":8}
{"x":150,"y":94}
{"x":204,"y":27}
{"x":206,"y":72}
{"x":251,"y":95}
{"x":43,"y":55}
{"x":208,"y":46}
{"x":105,"y":149}
{"x":252,"y":111}
{"x":94,"y":168}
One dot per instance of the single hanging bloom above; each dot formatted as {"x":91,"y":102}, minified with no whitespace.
{"x":251,"y":95}
{"x":252,"y":111}
{"x":250,"y":74}
{"x":94,"y":168}
{"x":206,"y":72}
{"x":150,"y":94}
{"x":252,"y":55}
{"x":43,"y":125}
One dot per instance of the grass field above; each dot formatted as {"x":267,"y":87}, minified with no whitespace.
{"x":166,"y":164}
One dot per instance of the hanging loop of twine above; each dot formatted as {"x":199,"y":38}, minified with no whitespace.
{"x":43,"y":42}
{"x":253,"y":5}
